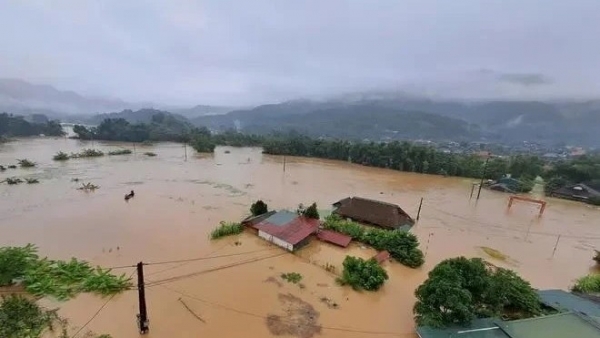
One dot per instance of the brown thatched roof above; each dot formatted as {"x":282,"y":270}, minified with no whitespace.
{"x":373,"y":212}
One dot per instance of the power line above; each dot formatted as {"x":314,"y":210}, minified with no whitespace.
{"x":206,"y":257}
{"x":264,"y":317}
{"x":98,"y":312}
{"x":180,"y":265}
{"x":218,"y":268}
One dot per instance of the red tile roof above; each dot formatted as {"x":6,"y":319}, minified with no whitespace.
{"x":382,"y":256}
{"x":334,"y":237}
{"x":292,"y":232}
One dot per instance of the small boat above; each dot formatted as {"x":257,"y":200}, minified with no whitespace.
{"x":130,"y":195}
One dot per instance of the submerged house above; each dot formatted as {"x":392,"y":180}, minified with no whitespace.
{"x":286,"y":229}
{"x":372,"y":212}
{"x":582,"y":192}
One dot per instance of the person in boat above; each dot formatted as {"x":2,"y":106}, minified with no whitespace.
{"x":130,"y":195}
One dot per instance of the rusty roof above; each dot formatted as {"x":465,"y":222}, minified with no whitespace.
{"x":373,"y":212}
{"x":382,"y":256}
{"x":288,"y":226}
{"x":334,"y":238}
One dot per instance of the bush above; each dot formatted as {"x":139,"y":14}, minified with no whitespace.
{"x":258,"y":208}
{"x":402,"y":245}
{"x":25,"y":163}
{"x":363,"y":274}
{"x":120,"y":152}
{"x":32,"y":180}
{"x":14,"y":261}
{"x":149,"y":154}
{"x":554,"y":183}
{"x":88,"y":153}
{"x":460,"y":289}
{"x":21,"y":317}
{"x":13,"y":180}
{"x":60,"y":156}
{"x":588,"y":284}
{"x":226,"y":229}
{"x":310,"y":212}
{"x":292,"y":277}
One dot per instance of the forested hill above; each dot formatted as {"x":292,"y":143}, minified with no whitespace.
{"x":495,"y":121}
{"x":13,"y":126}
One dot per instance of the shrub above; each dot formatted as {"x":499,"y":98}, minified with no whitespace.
{"x":588,"y":284}
{"x":149,"y":154}
{"x":22,"y":317}
{"x":226,"y":229}
{"x":14,"y":261}
{"x":2,"y":168}
{"x":13,"y":180}
{"x":403,"y":246}
{"x":310,"y":212}
{"x":120,"y":152}
{"x":25,"y":163}
{"x":258,"y":208}
{"x":460,"y":289}
{"x":88,"y":153}
{"x":32,"y":180}
{"x":292,"y":277}
{"x":363,"y":274}
{"x":60,"y":156}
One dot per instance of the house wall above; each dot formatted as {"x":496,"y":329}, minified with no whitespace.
{"x":275,"y":240}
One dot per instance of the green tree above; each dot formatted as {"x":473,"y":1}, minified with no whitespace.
{"x":363,"y":274}
{"x":310,"y":212}
{"x":460,"y":289}
{"x":555,"y":183}
{"x":258,"y":208}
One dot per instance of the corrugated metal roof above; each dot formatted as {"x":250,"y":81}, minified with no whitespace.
{"x":373,"y":212}
{"x":560,"y":325}
{"x":293,"y":231}
{"x":566,"y":301}
{"x":478,"y":328}
{"x":334,"y":237}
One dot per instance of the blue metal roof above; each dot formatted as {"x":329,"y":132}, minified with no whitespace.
{"x":566,"y":301}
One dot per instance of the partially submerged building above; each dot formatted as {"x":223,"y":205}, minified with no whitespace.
{"x":578,"y":317}
{"x":285,"y":229}
{"x":582,"y":192}
{"x":334,"y":237}
{"x":372,"y":212}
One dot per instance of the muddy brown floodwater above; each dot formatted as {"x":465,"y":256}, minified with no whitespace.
{"x":238,"y":291}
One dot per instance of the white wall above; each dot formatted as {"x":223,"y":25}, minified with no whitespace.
{"x":275,"y":240}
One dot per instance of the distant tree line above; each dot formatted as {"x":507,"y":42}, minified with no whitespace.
{"x":15,"y":126}
{"x":402,"y":156}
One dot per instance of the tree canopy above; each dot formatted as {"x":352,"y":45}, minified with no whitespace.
{"x":363,"y":274}
{"x":258,"y":208}
{"x":460,"y":289}
{"x":17,"y":126}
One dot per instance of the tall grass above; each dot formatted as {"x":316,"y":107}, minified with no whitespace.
{"x":588,"y":284}
{"x":25,"y":163}
{"x":88,"y":153}
{"x":226,"y":229}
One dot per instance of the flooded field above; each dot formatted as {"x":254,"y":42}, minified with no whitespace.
{"x":236,"y":290}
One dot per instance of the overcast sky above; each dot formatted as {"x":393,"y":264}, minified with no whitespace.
{"x":253,"y":51}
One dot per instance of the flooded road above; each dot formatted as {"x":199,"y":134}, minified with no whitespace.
{"x":231,"y":290}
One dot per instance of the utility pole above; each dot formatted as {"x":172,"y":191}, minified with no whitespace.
{"x":142,"y":317}
{"x":482,"y":176}
{"x":555,"y":246}
{"x":419,"y":212}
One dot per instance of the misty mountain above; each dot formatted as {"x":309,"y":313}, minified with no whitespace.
{"x":201,"y":110}
{"x":21,"y":97}
{"x":131,"y":116}
{"x":399,"y":117}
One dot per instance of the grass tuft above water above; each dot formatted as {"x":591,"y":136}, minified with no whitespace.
{"x":25,"y":163}
{"x":88,"y":153}
{"x":150,"y":154}
{"x":292,"y":277}
{"x":226,"y":229}
{"x":120,"y":152}
{"x":60,"y":156}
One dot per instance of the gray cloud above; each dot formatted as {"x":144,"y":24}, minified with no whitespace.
{"x":240,"y":52}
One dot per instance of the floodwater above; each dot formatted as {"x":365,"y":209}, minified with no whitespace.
{"x":235,"y":287}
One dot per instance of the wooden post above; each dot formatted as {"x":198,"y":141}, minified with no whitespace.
{"x":284,"y":163}
{"x":142,"y":317}
{"x":472,"y":190}
{"x":482,"y":176}
{"x":185,"y":151}
{"x":555,"y":246}
{"x":134,"y":147}
{"x":419,"y":212}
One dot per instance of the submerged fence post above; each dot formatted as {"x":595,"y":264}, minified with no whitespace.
{"x":283,"y":163}
{"x":482,"y":176}
{"x":419,"y":212}
{"x":555,"y":246}
{"x":185,"y":151}
{"x":142,"y":317}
